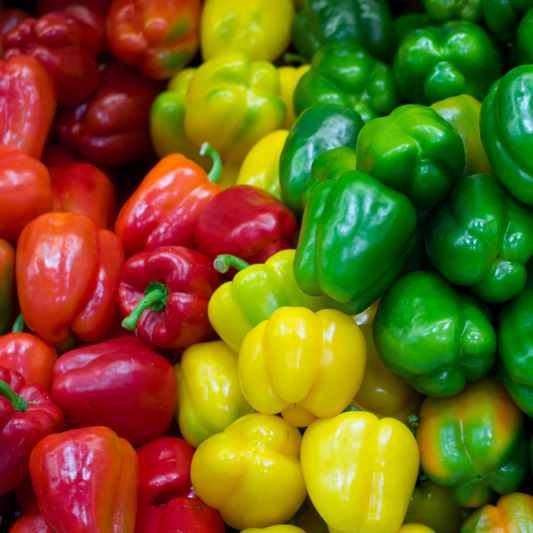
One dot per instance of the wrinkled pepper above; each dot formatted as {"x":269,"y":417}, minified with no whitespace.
{"x":7,"y":285}
{"x":289,"y":78}
{"x":441,"y":11}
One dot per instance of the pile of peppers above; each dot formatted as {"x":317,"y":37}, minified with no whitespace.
{"x":266,"y":266}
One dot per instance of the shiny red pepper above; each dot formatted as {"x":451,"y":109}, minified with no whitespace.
{"x":123,"y":384}
{"x":7,"y":285}
{"x":9,"y":18}
{"x":31,"y":522}
{"x":111,"y":128}
{"x":164,"y":293}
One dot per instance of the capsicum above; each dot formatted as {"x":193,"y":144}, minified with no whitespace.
{"x":289,"y":78}
{"x":7,"y":284}
{"x":524,"y":40}
{"x":9,"y":18}
{"x":502,"y":16}
{"x":31,"y":522}
{"x":442,"y":10}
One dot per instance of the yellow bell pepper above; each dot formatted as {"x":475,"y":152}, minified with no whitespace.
{"x":415,"y":528}
{"x":282,"y":528}
{"x":232,"y":103}
{"x":259,"y":28}
{"x":302,"y":365}
{"x":209,"y":393}
{"x":260,"y":168}
{"x":360,"y":471}
{"x":251,"y":472}
{"x":290,"y":76}
{"x":383,"y":392}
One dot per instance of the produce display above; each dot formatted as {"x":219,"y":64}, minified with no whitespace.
{"x":266,"y":266}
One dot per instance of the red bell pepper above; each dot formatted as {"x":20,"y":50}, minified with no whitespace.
{"x":9,"y":18}
{"x":246,"y":222}
{"x":158,"y":36}
{"x":26,"y":497}
{"x":25,"y":191}
{"x":123,"y":384}
{"x":86,"y":481}
{"x":27,"y":104}
{"x":164,"y":208}
{"x":31,"y":522}
{"x":164,"y":293}
{"x":65,"y":47}
{"x":111,"y":128}
{"x":7,"y":284}
{"x":27,"y":415}
{"x":68,"y":272}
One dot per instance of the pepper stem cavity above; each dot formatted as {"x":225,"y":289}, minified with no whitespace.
{"x":216,"y":170}
{"x":18,"y":402}
{"x":155,"y":298}
{"x":224,"y":262}
{"x":18,"y":326}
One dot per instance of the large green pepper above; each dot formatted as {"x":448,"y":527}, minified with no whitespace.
{"x":444,"y":10}
{"x":346,"y":74}
{"x":315,"y":131}
{"x":366,"y":22}
{"x":356,"y":236}
{"x":432,"y":336}
{"x":481,"y":237}
{"x":435,"y":63}
{"x":524,"y":38}
{"x":502,"y":16}
{"x":7,"y":284}
{"x":413,"y":151}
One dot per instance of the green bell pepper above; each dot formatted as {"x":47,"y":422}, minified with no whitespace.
{"x":7,"y":285}
{"x":435,"y":63}
{"x":481,"y":237}
{"x":445,"y":10}
{"x":315,"y":131}
{"x":524,"y":38}
{"x":410,"y":22}
{"x":413,"y":151}
{"x":432,"y":336}
{"x":502,"y":16}
{"x":356,"y":236}
{"x":366,"y":22}
{"x":346,"y":74}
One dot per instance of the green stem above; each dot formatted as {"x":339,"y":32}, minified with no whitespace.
{"x":18,"y":326}
{"x":224,"y":262}
{"x":295,"y":58}
{"x":414,"y":422}
{"x":155,"y":299}
{"x":18,"y":402}
{"x":207,"y":149}
{"x":350,"y":408}
{"x":302,"y":510}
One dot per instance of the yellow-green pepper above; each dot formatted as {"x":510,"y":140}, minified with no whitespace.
{"x":290,"y":76}
{"x":415,"y":528}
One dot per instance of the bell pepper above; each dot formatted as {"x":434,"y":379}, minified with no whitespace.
{"x":524,"y":40}
{"x":27,"y":415}
{"x":289,"y":78}
{"x":413,"y":151}
{"x":210,"y":397}
{"x":473,"y":443}
{"x":86,"y":480}
{"x":407,"y":23}
{"x":462,"y":112}
{"x":251,"y":472}
{"x":502,"y":16}
{"x":111,"y":127}
{"x":513,"y":512}
{"x":316,"y":130}
{"x":360,"y":471}
{"x":68,"y":272}
{"x":346,"y":74}
{"x":7,"y":285}
{"x":9,"y":18}
{"x":366,"y":22}
{"x":159,"y":38}
{"x":290,"y":363}
{"x":65,"y":47}
{"x":415,"y":528}
{"x":281,"y":528}
{"x":431,"y":506}
{"x":164,"y":294}
{"x":246,"y":222}
{"x":260,"y":29}
{"x":233,"y":102}
{"x":432,"y":64}
{"x":371,"y":259}
{"x":481,"y":237}
{"x":31,"y":522}
{"x":432,"y":336}
{"x":254,"y":294}
{"x":504,"y":121}
{"x":442,"y":10}
{"x":122,"y":384}
{"x":27,"y":104}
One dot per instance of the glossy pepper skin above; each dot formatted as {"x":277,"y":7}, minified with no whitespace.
{"x":503,"y":16}
{"x":364,"y":449}
{"x":316,"y":130}
{"x":27,"y":415}
{"x":423,"y":314}
{"x":436,"y":63}
{"x":254,"y":294}
{"x":210,"y":397}
{"x":346,"y":74}
{"x":442,"y":10}
{"x":96,"y":493}
{"x":7,"y":285}
{"x":124,"y":373}
{"x":111,"y":127}
{"x":302,"y":365}
{"x":9,"y":18}
{"x":473,"y":443}
{"x":281,"y":528}
{"x":68,"y":273}
{"x":31,"y":522}
{"x":251,"y":472}
{"x":65,"y":47}
{"x":480,"y":237}
{"x":159,"y":37}
{"x":366,"y":22}
{"x":370,"y":263}
{"x":414,"y":151}
{"x":289,"y":78}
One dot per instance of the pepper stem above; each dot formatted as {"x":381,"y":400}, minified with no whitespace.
{"x":216,"y":170}
{"x":155,"y":298}
{"x":302,"y":510}
{"x":295,"y":58}
{"x":18,"y":326}
{"x":225,"y":261}
{"x":350,"y":408}
{"x":414,"y":422}
{"x":19,"y":403}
